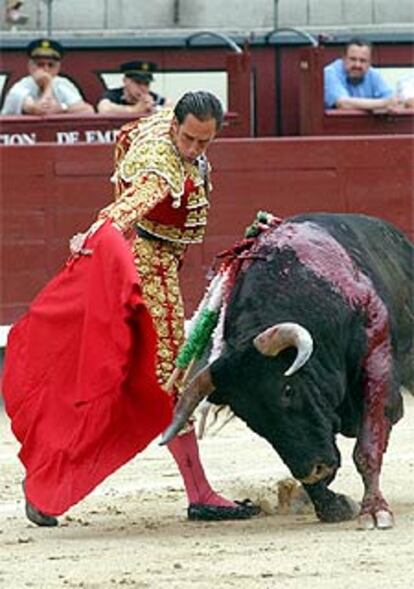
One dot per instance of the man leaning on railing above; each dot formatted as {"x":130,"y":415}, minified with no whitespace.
{"x":43,"y":91}
{"x":351,"y":82}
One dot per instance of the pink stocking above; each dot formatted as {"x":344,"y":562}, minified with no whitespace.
{"x":184,"y":449}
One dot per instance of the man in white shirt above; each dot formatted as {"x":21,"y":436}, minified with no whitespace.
{"x":43,"y":91}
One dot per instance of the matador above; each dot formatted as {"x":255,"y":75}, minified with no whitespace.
{"x":161,"y":203}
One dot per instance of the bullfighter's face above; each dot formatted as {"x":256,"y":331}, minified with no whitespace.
{"x":192,"y":136}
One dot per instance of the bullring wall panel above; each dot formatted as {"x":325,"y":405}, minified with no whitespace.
{"x":50,"y":192}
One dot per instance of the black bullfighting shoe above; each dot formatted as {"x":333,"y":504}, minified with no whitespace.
{"x":241,"y":510}
{"x":36,"y":516}
{"x":39,"y":518}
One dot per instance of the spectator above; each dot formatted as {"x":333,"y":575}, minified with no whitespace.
{"x":43,"y":91}
{"x":135,"y":95}
{"x":352,"y":83}
{"x":405,"y":90}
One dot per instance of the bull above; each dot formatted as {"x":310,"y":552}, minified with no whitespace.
{"x":318,"y":341}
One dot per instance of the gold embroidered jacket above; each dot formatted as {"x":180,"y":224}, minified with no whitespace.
{"x":156,"y":189}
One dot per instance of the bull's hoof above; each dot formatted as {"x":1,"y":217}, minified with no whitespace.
{"x":38,"y":517}
{"x":340,"y":508}
{"x":382,"y":520}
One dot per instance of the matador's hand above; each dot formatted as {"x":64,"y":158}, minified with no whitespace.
{"x":76,"y":244}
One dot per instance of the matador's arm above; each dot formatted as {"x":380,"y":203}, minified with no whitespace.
{"x":124,"y":213}
{"x":136,"y":201}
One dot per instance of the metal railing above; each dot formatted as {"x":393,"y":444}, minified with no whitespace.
{"x":304,"y":34}
{"x":223,"y":37}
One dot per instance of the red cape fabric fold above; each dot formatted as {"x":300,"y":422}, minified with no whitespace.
{"x":79,"y":380}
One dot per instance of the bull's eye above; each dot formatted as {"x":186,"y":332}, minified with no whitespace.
{"x":287,"y":396}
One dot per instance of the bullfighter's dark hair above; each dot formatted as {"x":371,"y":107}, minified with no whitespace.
{"x":358,"y":41}
{"x":203,"y":105}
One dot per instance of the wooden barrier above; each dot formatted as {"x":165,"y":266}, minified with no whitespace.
{"x":49,"y":192}
{"x":29,"y":130}
{"x":71,"y":129}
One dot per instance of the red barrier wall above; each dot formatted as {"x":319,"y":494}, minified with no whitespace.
{"x":86,"y":128}
{"x":51,"y":191}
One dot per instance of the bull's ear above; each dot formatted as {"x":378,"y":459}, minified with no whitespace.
{"x":276,"y":338}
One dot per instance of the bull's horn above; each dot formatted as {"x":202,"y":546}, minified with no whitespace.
{"x":285,"y":335}
{"x":200,"y":387}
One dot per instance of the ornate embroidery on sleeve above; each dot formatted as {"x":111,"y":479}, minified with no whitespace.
{"x":136,"y":201}
{"x":158,"y":156}
{"x":142,"y":130}
{"x":126,"y":135}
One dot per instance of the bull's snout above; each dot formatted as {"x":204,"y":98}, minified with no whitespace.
{"x":318,"y":473}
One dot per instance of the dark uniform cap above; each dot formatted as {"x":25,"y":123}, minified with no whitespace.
{"x":45,"y":48}
{"x":139,"y":70}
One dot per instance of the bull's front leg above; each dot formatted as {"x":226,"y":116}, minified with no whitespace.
{"x":373,"y":438}
{"x":331,"y":507}
{"x":368,"y":453}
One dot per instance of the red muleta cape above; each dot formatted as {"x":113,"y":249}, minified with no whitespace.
{"x":79,"y":379}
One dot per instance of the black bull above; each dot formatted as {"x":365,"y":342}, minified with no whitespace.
{"x":336,"y":293}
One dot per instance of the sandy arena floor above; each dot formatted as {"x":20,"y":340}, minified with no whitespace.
{"x":132,"y":531}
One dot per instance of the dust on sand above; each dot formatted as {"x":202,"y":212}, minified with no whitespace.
{"x":132,"y":530}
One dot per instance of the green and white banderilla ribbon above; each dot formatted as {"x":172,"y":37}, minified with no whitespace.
{"x":210,"y":313}
{"x":200,"y":331}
